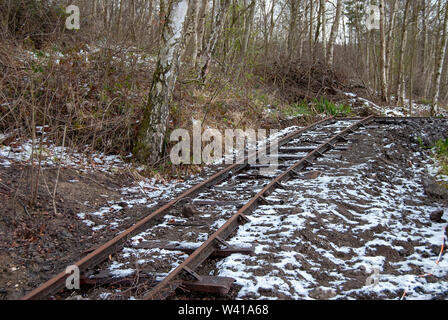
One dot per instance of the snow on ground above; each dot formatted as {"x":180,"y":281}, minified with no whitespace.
{"x":144,"y":191}
{"x":128,"y":55}
{"x":354,"y":231}
{"x":325,"y":241}
{"x":343,"y":235}
{"x":418,"y":109}
{"x":51,"y":155}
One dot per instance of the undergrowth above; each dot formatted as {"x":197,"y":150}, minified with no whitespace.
{"x":96,"y":90}
{"x":321,"y":106}
{"x":441,"y":149}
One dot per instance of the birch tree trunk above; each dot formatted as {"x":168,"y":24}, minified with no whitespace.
{"x":152,"y":133}
{"x":217,"y":26}
{"x":132,"y":9}
{"x":333,"y":33}
{"x":120,"y":14}
{"x":415,"y":11}
{"x":323,"y":13}
{"x":440,"y":57}
{"x":248,"y":27}
{"x":389,"y":45}
{"x":302,"y":18}
{"x":400,"y":77}
{"x":94,"y":9}
{"x":201,"y":26}
{"x":310,"y":35}
{"x":383,"y":77}
{"x":293,"y":7}
{"x":193,"y":33}
{"x":424,"y":41}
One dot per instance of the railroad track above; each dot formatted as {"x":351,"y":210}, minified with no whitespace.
{"x":215,"y":209}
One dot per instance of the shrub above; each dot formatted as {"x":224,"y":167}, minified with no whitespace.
{"x":442,"y":147}
{"x":33,"y":20}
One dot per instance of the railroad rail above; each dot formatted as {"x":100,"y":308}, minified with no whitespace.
{"x":216,"y":245}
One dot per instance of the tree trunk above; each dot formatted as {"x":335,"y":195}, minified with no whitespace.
{"x":153,"y":130}
{"x":383,"y":77}
{"x":133,"y":33}
{"x":120,"y":14}
{"x":248,"y":27}
{"x":440,"y":57}
{"x":293,"y":7}
{"x":389,"y":46}
{"x":423,"y":55}
{"x":333,"y":33}
{"x":400,"y":76}
{"x":310,"y":36}
{"x":217,"y":26}
{"x":415,"y":11}
{"x":201,"y":26}
{"x":323,"y":15}
{"x":194,"y":30}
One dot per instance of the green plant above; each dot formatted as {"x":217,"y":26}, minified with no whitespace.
{"x":442,"y":147}
{"x":301,"y":108}
{"x":441,"y":150}
{"x":331,"y":108}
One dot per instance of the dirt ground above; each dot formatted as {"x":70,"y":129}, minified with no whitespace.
{"x":36,"y":242}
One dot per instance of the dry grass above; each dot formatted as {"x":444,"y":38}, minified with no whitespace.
{"x":97,"y":95}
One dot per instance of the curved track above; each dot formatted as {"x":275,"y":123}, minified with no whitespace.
{"x":218,"y":206}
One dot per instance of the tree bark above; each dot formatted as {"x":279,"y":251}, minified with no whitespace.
{"x":133,"y":33}
{"x":323,"y":16}
{"x":389,"y":46}
{"x":383,"y":77}
{"x":400,"y":76}
{"x":293,"y":8}
{"x":310,"y":35}
{"x":440,"y":59}
{"x":201,"y":26}
{"x":248,"y":27}
{"x":120,"y":14}
{"x":193,"y":32}
{"x":217,"y":26}
{"x":424,"y":40}
{"x":333,"y":33}
{"x":153,"y":130}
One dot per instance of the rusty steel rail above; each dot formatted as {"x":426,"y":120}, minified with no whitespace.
{"x":100,"y":254}
{"x":186,"y":269}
